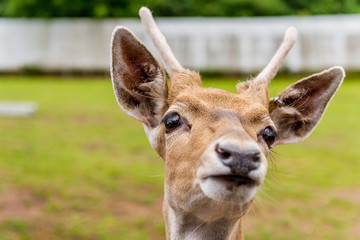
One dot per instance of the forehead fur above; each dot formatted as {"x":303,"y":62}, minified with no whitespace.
{"x":189,"y":82}
{"x":182,"y":81}
{"x":257,"y":91}
{"x":220,"y":103}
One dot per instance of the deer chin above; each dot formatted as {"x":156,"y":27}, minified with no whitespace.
{"x":204,"y":206}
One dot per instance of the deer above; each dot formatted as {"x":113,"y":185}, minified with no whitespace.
{"x":214,"y":143}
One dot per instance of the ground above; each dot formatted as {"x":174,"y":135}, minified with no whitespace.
{"x":81,"y":169}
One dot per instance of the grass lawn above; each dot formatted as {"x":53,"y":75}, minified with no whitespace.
{"x":81,"y":169}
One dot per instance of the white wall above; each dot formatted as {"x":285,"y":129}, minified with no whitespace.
{"x":230,"y":44}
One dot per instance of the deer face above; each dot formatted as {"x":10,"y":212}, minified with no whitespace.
{"x":214,"y":143}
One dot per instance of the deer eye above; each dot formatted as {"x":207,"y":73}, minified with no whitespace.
{"x":172,"y":121}
{"x":269,"y":136}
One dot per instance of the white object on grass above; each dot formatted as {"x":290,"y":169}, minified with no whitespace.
{"x":17,"y":109}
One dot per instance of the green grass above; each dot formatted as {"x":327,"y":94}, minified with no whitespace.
{"x":81,"y":169}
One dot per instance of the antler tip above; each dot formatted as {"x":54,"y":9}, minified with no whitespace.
{"x":144,"y":11}
{"x":291,"y":34}
{"x":158,"y":39}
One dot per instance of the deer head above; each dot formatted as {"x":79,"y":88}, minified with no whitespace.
{"x":214,"y":143}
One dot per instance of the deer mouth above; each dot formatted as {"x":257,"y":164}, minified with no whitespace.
{"x":237,"y":188}
{"x":236,"y":180}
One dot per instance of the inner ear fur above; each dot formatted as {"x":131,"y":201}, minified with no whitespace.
{"x":298,"y":109}
{"x":138,"y":79}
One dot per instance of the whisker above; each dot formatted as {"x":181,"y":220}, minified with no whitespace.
{"x":192,"y":232}
{"x":263,"y":193}
{"x":274,"y":152}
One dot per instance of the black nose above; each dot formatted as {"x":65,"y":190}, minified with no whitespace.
{"x":238,"y":160}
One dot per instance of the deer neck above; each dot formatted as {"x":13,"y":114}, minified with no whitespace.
{"x":186,"y":226}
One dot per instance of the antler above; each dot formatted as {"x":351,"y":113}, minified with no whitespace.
{"x":171,"y":64}
{"x":275,"y":63}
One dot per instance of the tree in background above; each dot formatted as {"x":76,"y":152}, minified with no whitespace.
{"x":129,"y":8}
{"x":66,"y":8}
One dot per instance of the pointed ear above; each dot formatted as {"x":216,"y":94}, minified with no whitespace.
{"x":298,"y":109}
{"x":138,"y":79}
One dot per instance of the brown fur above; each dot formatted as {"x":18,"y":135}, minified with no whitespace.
{"x":194,"y":206}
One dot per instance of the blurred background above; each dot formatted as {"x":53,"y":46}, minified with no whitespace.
{"x":74,"y":166}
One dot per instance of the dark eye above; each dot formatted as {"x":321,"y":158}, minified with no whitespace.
{"x":172,"y":121}
{"x":269,"y":136}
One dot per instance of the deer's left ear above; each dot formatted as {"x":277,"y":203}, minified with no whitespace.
{"x":298,"y":109}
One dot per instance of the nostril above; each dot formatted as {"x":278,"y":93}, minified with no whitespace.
{"x":256,"y":157}
{"x":240,"y":161}
{"x":223,"y":153}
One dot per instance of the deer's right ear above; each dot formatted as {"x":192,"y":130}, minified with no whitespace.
{"x":138,"y":79}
